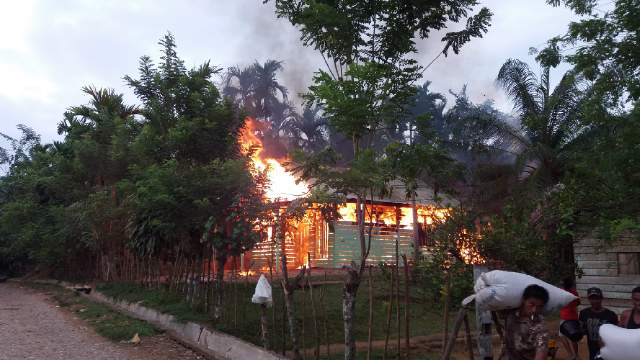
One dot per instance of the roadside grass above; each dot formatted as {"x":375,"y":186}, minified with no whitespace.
{"x":242,"y":318}
{"x":377,"y":354}
{"x":109,"y":323}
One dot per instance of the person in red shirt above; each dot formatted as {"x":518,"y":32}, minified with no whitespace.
{"x":569,"y":313}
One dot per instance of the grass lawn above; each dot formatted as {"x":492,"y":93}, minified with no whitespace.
{"x":242,"y":318}
{"x":107,"y":322}
{"x":378,"y":354}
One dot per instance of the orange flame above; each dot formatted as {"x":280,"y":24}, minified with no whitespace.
{"x":427,"y":215}
{"x":282,"y":184}
{"x":386,"y":215}
{"x":468,"y":249}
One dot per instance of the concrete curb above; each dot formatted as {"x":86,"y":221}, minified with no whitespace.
{"x":211,"y":342}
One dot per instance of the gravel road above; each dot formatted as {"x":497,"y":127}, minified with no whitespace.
{"x":32,"y":327}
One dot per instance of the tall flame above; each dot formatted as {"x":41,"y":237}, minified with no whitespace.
{"x":282,"y":184}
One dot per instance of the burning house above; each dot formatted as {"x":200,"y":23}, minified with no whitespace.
{"x":316,"y":242}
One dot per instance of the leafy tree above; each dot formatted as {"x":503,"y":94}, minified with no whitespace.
{"x":19,"y":148}
{"x":600,"y":191}
{"x":603,"y":46}
{"x":368,"y":84}
{"x":193,"y":189}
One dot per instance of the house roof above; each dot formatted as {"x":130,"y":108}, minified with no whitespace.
{"x":425,"y":196}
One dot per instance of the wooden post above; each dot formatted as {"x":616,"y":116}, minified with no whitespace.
{"x":447,"y":291}
{"x":370,"y":337}
{"x":264,"y":326}
{"x":304,"y":315}
{"x":235,"y":293}
{"x":273,"y":306}
{"x":324,"y":315}
{"x":316,"y":332}
{"x":467,"y":331}
{"x":496,"y":321}
{"x":454,"y":334}
{"x":406,"y":306}
{"x":397,"y":269}
{"x":483,"y":322}
{"x":388,"y":327}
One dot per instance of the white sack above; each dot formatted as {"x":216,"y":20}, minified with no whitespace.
{"x":619,"y":343}
{"x":500,"y":290}
{"x":262,"y":295}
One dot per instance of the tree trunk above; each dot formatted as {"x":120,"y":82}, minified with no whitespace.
{"x":349,"y":292}
{"x":351,"y":285}
{"x":288,"y":289}
{"x":291,"y":318}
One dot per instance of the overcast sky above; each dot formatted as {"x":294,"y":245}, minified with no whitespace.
{"x":50,"y":49}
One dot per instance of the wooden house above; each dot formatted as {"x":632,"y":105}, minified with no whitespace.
{"x":613,"y":266}
{"x":314,"y":242}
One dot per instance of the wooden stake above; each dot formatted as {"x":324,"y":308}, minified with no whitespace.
{"x":264,"y":326}
{"x":398,"y":310}
{"x":454,"y":334}
{"x":273,"y":305}
{"x":316,"y":333}
{"x":467,"y":331}
{"x":496,"y":321}
{"x":388,"y":327}
{"x":304,"y":316}
{"x":325,"y":320}
{"x":284,"y":326}
{"x":447,"y":287}
{"x":370,"y":337}
{"x":406,"y":306}
{"x":235,"y":294}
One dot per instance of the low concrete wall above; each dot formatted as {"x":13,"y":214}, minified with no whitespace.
{"x":215,"y":343}
{"x":210,"y":342}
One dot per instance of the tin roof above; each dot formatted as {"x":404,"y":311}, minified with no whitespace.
{"x":425,"y":196}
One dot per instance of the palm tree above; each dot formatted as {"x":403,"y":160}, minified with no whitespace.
{"x":97,"y":126}
{"x":267,"y":91}
{"x":428,"y":103}
{"x":309,"y":129}
{"x":256,"y":89}
{"x":238,"y":85}
{"x":550,"y":122}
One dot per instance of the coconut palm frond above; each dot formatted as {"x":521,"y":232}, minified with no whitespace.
{"x":521,"y":85}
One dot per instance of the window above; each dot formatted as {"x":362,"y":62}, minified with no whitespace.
{"x":628,"y":263}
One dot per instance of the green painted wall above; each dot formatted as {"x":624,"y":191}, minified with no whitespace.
{"x":344,"y":245}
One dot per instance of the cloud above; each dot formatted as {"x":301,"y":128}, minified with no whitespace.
{"x":55,"y":48}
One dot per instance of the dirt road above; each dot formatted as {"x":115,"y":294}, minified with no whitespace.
{"x":32,"y":327}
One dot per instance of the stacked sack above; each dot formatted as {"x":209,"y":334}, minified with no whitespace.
{"x":501,"y":290}
{"x":619,"y":343}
